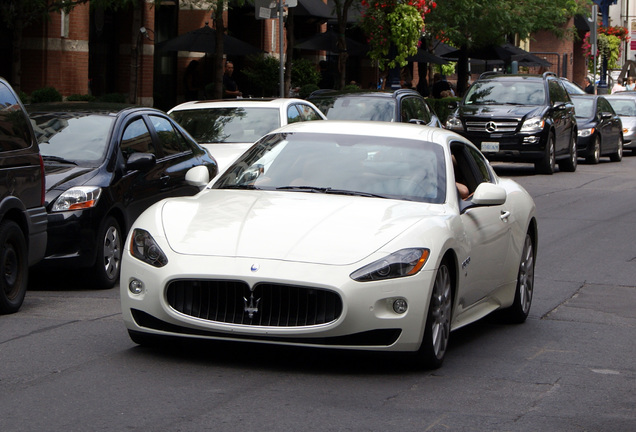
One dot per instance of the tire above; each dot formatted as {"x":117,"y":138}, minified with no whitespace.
{"x":618,"y":155}
{"x":547,"y":164}
{"x":594,"y":156}
{"x":518,"y":311}
{"x":14,"y":266}
{"x":438,"y":321}
{"x":570,"y":164}
{"x":109,"y":249}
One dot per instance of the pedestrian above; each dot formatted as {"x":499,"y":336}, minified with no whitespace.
{"x":589,"y":87}
{"x":230,"y":89}
{"x":630,"y":86}
{"x":618,"y":86}
{"x":440,"y":85}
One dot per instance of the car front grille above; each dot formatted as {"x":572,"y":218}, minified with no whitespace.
{"x":271,"y":305}
{"x":492,"y":126}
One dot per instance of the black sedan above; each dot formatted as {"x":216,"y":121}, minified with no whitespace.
{"x":600,"y":129}
{"x":104,"y":165}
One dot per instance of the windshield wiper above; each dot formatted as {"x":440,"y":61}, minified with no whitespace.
{"x":240,"y":186}
{"x":328,"y":190}
{"x":58,"y":159}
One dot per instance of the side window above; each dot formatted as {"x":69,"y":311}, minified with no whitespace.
{"x":557,"y":92}
{"x":293,"y":115}
{"x":14,"y":127}
{"x":469,"y":166}
{"x":308,"y":112}
{"x":604,"y":106}
{"x":136,"y":139}
{"x":170,"y":140}
{"x":415,"y":108}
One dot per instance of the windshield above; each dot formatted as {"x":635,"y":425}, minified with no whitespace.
{"x":583,"y":107}
{"x":342,"y":164}
{"x":357,"y":108}
{"x":228,"y":125}
{"x":71,"y":136}
{"x":502,"y":92}
{"x":624,"y":107}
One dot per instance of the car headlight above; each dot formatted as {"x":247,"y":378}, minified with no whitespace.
{"x":585,"y":132}
{"x":405,"y":262}
{"x":533,"y":125}
{"x":145,"y":248}
{"x":78,"y":198}
{"x":454,"y":123}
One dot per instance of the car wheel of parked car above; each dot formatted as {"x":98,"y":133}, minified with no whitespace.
{"x":547,"y":164}
{"x":594,"y":156}
{"x":569,"y":164}
{"x":14,"y":267}
{"x":518,"y":312}
{"x":438,"y":319}
{"x":108,"y":262}
{"x":618,"y":155}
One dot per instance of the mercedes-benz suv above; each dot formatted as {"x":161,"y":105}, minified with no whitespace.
{"x":520,"y":118}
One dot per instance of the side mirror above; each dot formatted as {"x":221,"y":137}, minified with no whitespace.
{"x":141,"y":161}
{"x":488,"y":194}
{"x":198,"y":176}
{"x":453,"y":105}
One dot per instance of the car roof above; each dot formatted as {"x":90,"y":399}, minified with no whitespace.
{"x":374,"y":128}
{"x":238,"y":103}
{"x":362,"y":93}
{"x":84,"y":108}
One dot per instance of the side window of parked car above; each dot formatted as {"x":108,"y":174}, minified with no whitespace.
{"x":470,"y":166}
{"x":171,"y":141}
{"x":415,"y":108}
{"x":604,"y":106}
{"x":136,"y":139}
{"x":308,"y":112}
{"x":14,"y":127}
{"x":293,"y":115}
{"x":557,"y":92}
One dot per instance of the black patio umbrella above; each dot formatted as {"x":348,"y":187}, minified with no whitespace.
{"x":427,"y":57}
{"x":506,"y":53}
{"x":328,"y":41}
{"x":204,"y":40}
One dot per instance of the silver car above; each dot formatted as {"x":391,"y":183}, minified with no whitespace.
{"x":625,"y":107}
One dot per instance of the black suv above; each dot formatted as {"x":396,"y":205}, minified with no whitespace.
{"x":23,"y":217}
{"x":520,"y":118}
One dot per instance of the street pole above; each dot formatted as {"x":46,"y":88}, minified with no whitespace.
{"x":280,"y":49}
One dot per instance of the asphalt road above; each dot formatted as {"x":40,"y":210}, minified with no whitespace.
{"x":67,"y":364}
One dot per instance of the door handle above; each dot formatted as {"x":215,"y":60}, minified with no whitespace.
{"x":504,"y":215}
{"x":164,"y":179}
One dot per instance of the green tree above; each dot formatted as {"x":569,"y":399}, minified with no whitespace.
{"x":470,"y":24}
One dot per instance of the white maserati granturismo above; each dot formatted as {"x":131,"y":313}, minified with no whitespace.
{"x":352,"y":235}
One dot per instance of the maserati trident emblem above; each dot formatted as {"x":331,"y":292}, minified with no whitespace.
{"x":491,"y":127}
{"x":251,"y":308}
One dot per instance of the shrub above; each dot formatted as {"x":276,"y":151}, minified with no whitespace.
{"x":306,"y":90}
{"x":442,"y":107}
{"x":80,"y":97}
{"x":46,"y":94}
{"x":303,"y":73}
{"x":263,"y":75}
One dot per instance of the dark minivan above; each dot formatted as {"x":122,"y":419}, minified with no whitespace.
{"x":23,"y":218}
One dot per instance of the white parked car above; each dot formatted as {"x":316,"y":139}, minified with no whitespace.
{"x":338,"y":235}
{"x":226,"y":128}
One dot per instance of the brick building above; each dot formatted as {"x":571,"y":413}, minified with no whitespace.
{"x":98,"y":52}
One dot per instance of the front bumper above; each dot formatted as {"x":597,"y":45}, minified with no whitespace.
{"x":516,"y":147}
{"x":72,"y":238}
{"x":366,"y":320}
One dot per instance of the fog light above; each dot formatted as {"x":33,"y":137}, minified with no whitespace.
{"x":400,"y":306}
{"x":136,"y":286}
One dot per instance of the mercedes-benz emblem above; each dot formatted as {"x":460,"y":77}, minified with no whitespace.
{"x":491,"y":127}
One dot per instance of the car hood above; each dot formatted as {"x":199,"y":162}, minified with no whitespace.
{"x":290,"y":226}
{"x":61,"y":176}
{"x":226,"y":154}
{"x":516,"y":111}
